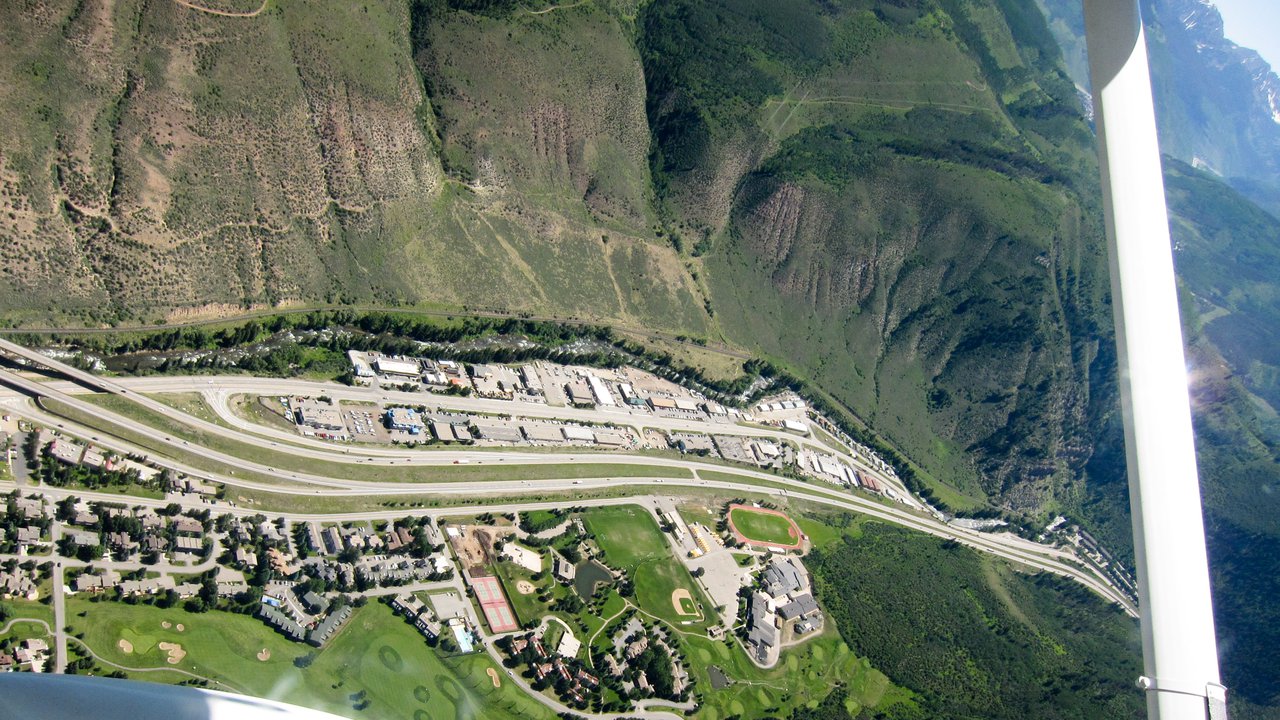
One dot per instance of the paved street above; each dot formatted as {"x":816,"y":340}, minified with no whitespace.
{"x":1017,"y":549}
{"x":59,"y":619}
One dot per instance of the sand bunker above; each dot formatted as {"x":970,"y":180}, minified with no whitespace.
{"x":176,"y":653}
{"x":682,"y":601}
{"x":124,"y":645}
{"x":493,"y":675}
{"x":265,"y":655}
{"x":180,"y":628}
{"x":524,"y":587}
{"x":166,"y":624}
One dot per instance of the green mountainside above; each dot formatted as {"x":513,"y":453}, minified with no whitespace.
{"x":897,"y":201}
{"x":1227,"y":249}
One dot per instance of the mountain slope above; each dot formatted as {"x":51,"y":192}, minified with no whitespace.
{"x":899,"y":202}
{"x":1218,"y":103}
{"x":178,"y":162}
{"x":1227,"y":249}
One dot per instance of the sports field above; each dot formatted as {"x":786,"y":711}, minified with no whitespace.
{"x":630,"y":540}
{"x":627,"y":534}
{"x":377,"y":653}
{"x":763,"y":526}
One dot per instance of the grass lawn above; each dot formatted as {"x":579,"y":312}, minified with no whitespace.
{"x":528,"y":608}
{"x":631,"y":541}
{"x":377,"y":652}
{"x":763,"y":526}
{"x":819,"y":533}
{"x":804,"y":675}
{"x":33,"y":609}
{"x":19,"y":631}
{"x":541,"y":518}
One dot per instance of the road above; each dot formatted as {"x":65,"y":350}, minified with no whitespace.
{"x":275,"y":386}
{"x":218,"y":391}
{"x":1009,"y":547}
{"x":59,"y":619}
{"x":1019,"y":550}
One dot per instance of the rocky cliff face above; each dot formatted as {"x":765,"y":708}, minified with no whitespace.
{"x":1203,"y":24}
{"x":1218,"y":103}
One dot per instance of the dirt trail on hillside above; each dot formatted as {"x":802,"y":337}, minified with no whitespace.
{"x":224,"y":13}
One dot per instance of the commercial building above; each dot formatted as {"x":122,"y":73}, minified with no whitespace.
{"x":610,"y":438}
{"x":600,"y":391}
{"x":796,"y":426}
{"x":405,"y":420}
{"x":577,"y":433}
{"x":542,"y":432}
{"x":765,"y":451}
{"x":692,"y":443}
{"x":499,"y":433}
{"x":686,"y":405}
{"x":579,"y":393}
{"x":359,"y":364}
{"x":662,"y":403}
{"x":405,"y":368}
{"x":532,"y":382}
{"x":315,"y":414}
{"x":66,"y":452}
{"x":629,"y":395}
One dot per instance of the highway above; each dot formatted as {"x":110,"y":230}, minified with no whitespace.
{"x":1009,"y":547}
{"x":230,"y":385}
{"x":1050,"y":559}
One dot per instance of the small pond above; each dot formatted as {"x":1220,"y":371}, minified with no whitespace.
{"x":588,"y":573}
{"x":719,"y":680}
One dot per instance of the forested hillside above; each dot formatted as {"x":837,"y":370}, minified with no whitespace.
{"x":995,"y":644}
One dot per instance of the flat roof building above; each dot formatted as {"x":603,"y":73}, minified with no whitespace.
{"x":686,"y":405}
{"x":500,"y":433}
{"x":318,"y":415}
{"x":405,"y":368}
{"x":577,"y":433}
{"x":443,"y":431}
{"x":563,"y":569}
{"x":405,"y":420}
{"x":629,"y":396}
{"x":610,"y":438}
{"x":580,"y":394}
{"x":359,"y":364}
{"x":531,"y":380}
{"x":600,"y":390}
{"x":796,"y":426}
{"x":662,"y":403}
{"x":542,"y":432}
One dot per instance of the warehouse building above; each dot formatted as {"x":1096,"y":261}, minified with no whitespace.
{"x":404,"y":368}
